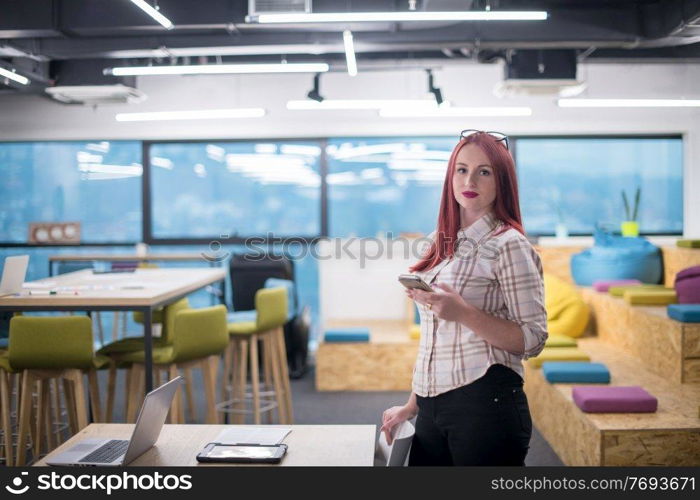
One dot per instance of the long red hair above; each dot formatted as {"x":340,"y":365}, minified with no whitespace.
{"x":506,"y":205}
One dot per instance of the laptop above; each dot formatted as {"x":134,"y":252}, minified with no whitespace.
{"x":13,"y":274}
{"x":107,"y":452}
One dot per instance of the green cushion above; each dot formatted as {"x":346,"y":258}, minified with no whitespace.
{"x":619,"y":291}
{"x":53,"y":342}
{"x":161,"y":356}
{"x":129,"y":344}
{"x":99,"y":362}
{"x":560,"y":341}
{"x":242,"y":328}
{"x":688,"y":243}
{"x":5,"y":363}
{"x":558,"y":354}
{"x":651,"y":297}
{"x":157,"y":316}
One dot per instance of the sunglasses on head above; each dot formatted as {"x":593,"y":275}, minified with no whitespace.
{"x":496,"y":135}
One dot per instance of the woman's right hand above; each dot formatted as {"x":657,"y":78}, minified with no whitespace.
{"x":394,"y":416}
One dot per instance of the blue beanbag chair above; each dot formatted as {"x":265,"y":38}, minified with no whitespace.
{"x":617,"y":258}
{"x":573,"y":372}
{"x":687,"y":313}
{"x":360,"y":334}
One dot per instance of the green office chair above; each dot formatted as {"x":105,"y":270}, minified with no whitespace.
{"x":198,"y":338}
{"x":48,"y":348}
{"x":271,"y":315}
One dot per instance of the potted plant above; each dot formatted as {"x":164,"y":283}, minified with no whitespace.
{"x":630,"y":226}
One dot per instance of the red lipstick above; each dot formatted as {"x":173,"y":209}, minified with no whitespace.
{"x":470,"y":194}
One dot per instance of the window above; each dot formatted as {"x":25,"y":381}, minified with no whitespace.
{"x":578,"y":182}
{"x":206,"y":190}
{"x":95,"y":183}
{"x":385,"y":185}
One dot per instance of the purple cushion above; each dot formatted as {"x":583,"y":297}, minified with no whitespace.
{"x":607,"y":399}
{"x":604,"y":285}
{"x":687,"y":285}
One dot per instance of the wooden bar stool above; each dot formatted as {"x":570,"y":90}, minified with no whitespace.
{"x":47,"y":348}
{"x":271,"y":314}
{"x":199,"y":337}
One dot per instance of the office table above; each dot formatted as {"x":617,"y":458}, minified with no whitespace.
{"x":151,"y":257}
{"x":309,"y":445}
{"x":143,"y":290}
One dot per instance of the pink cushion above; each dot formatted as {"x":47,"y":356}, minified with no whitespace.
{"x":611,"y":399}
{"x":604,"y":285}
{"x":687,"y":285}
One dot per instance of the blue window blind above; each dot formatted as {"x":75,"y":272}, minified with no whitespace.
{"x":578,"y":182}
{"x":203,"y":190}
{"x":95,"y":183}
{"x":385,"y":185}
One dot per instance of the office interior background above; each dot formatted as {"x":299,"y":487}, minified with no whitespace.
{"x":598,"y":98}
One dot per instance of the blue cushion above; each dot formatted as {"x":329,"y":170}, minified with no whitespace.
{"x":4,"y":342}
{"x":572,"y":372}
{"x":616,"y":258}
{"x":687,"y":313}
{"x":289,"y":285}
{"x":360,"y":334}
{"x":239,"y":316}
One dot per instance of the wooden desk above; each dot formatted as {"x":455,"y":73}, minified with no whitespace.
{"x":309,"y":445}
{"x":143,"y":290}
{"x":151,"y":257}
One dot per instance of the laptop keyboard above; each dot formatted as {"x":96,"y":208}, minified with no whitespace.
{"x":108,"y":452}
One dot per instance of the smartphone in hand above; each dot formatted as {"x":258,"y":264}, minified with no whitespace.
{"x":413,"y":281}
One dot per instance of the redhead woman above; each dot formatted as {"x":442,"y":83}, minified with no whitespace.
{"x":485,"y":315}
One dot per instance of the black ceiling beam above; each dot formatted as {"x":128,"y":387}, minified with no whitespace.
{"x":667,"y":17}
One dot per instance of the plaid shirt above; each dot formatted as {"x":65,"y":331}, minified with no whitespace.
{"x":502,"y":276}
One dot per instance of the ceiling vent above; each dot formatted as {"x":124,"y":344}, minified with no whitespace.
{"x":256,"y":7}
{"x":96,"y":94}
{"x":540,"y":73}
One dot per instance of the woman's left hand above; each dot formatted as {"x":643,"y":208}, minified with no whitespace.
{"x":446,"y":303}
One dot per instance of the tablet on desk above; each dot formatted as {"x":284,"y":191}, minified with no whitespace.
{"x":242,"y":453}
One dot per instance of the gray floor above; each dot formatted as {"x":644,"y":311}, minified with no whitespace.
{"x":313,"y":407}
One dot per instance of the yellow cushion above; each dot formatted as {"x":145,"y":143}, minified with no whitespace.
{"x":414,"y":332}
{"x":558,"y":354}
{"x":560,"y":341}
{"x":5,"y":363}
{"x":567,"y":313}
{"x":100,"y":361}
{"x":242,"y":328}
{"x":619,"y":291}
{"x":129,"y":344}
{"x":653,"y":297}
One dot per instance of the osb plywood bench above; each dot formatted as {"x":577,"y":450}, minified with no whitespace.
{"x":671,"y":436}
{"x":663,"y":345}
{"x":385,"y":363}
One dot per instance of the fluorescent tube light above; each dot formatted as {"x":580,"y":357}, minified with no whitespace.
{"x":350,"y":53}
{"x":455,"y":112}
{"x":202,"y":114}
{"x":214,"y":69}
{"x":358,"y":17}
{"x":155,"y":14}
{"x":14,"y":76}
{"x":309,"y":104}
{"x":629,"y":103}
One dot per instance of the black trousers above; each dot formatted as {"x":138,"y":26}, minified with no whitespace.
{"x":486,"y":422}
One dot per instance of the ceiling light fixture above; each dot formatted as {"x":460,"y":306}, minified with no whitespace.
{"x":154,"y":13}
{"x":628,"y":103}
{"x":200,"y":114}
{"x":350,"y":53}
{"x":433,"y":89}
{"x":360,"y":104}
{"x":314,"y":94}
{"x":393,"y":17}
{"x":14,"y":76}
{"x":215,"y":69}
{"x":455,"y":112}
